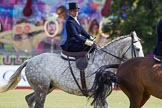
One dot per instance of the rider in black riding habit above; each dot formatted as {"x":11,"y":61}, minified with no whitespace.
{"x":77,"y":38}
{"x":158,"y":49}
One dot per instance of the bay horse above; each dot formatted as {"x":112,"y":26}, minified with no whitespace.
{"x":48,"y":71}
{"x":139,"y":78}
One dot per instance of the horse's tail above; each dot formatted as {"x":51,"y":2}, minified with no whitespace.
{"x":14,"y":79}
{"x":102,"y":86}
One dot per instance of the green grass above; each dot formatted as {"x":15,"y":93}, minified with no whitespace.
{"x":60,"y":99}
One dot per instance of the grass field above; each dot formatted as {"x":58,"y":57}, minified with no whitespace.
{"x":60,"y":99}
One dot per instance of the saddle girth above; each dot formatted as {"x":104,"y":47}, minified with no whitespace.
{"x":83,"y":87}
{"x":83,"y":82}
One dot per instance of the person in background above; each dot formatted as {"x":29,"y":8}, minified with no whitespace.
{"x":94,"y":30}
{"x":158,"y":48}
{"x":77,"y":38}
{"x":55,"y":30}
{"x":62,"y":16}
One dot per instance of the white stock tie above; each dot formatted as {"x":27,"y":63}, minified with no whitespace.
{"x":77,"y":20}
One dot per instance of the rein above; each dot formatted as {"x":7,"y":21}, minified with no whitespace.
{"x":132,"y":50}
{"x":122,"y":59}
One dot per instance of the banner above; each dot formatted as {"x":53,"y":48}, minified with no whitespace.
{"x":22,"y":30}
{"x":7,"y":71}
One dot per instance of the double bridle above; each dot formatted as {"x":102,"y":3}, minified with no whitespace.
{"x":122,"y":58}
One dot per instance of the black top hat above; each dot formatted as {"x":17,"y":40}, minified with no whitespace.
{"x":73,"y":6}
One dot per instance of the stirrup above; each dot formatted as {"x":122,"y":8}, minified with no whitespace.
{"x":157,"y":59}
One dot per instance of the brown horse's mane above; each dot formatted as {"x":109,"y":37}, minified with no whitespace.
{"x":116,"y":39}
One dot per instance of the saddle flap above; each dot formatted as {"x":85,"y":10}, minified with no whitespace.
{"x":81,"y":63}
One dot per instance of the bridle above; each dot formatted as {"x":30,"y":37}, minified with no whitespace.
{"x":122,"y":58}
{"x":132,"y":48}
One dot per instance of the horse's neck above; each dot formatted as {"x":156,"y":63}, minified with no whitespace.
{"x":115,"y":49}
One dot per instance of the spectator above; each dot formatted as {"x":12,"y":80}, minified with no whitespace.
{"x":55,"y":30}
{"x":95,"y":30}
{"x":62,"y":16}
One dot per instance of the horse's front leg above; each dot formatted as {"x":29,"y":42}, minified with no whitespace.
{"x":101,"y":106}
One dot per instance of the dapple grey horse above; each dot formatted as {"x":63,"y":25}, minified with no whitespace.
{"x":48,"y":71}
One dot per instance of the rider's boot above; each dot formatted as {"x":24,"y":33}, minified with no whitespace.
{"x":158,"y":58}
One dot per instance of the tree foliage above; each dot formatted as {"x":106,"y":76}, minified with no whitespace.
{"x":139,"y":15}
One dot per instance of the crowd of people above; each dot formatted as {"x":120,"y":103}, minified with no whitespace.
{"x":93,"y":28}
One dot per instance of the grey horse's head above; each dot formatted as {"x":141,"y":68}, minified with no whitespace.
{"x":124,"y":47}
{"x":133,"y":48}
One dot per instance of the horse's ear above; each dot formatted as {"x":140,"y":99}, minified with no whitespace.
{"x":134,"y":36}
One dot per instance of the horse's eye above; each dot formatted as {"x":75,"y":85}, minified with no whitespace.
{"x":138,"y":49}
